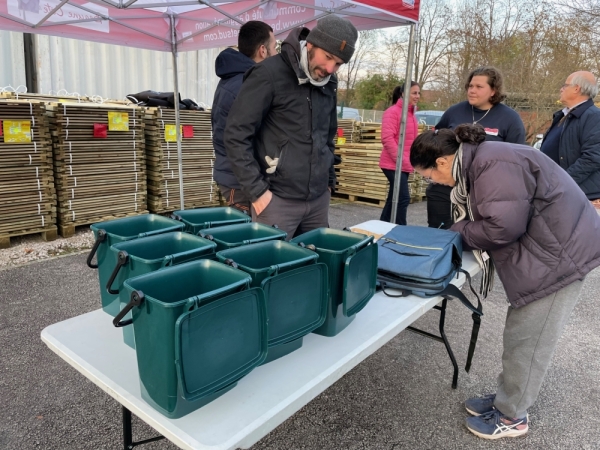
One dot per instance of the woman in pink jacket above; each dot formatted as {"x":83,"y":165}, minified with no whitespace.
{"x":390,"y":132}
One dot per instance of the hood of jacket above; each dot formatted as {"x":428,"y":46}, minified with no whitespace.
{"x":230,"y":63}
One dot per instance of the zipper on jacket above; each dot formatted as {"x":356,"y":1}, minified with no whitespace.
{"x":309,"y":103}
{"x":411,"y":246}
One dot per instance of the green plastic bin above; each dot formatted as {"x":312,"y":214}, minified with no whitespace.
{"x":351,"y":259}
{"x":119,"y":230}
{"x":295,"y":286}
{"x":201,"y":218}
{"x":198,"y":328}
{"x":148,"y":254}
{"x":231,"y":236}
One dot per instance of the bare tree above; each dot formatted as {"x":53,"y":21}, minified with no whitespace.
{"x":363,"y":56}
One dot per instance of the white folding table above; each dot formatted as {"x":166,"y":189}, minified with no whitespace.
{"x":262,"y":400}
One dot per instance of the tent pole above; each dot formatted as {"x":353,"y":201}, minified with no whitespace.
{"x":402,"y":137}
{"x":176,"y":102}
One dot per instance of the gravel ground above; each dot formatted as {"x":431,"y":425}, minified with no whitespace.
{"x":25,"y":249}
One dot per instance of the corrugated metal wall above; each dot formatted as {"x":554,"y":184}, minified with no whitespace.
{"x":111,"y":71}
{"x":12,"y":61}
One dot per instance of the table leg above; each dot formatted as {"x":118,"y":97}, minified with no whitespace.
{"x":441,"y":338}
{"x":128,"y":443}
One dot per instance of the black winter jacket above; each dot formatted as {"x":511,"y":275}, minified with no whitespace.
{"x":579,"y":147}
{"x":230,"y":66}
{"x":273,"y":115}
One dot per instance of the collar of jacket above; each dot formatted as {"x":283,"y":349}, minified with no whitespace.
{"x":577,"y":112}
{"x":290,"y":52}
{"x":411,"y":108}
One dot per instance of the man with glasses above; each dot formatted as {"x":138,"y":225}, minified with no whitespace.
{"x":256,"y":43}
{"x":573,"y":139}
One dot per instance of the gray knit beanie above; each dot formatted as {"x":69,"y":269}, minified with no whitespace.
{"x":334,"y":35}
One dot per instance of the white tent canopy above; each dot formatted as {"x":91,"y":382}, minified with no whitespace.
{"x":182,"y":25}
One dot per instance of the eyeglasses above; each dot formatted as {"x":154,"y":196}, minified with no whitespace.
{"x":428,"y":179}
{"x":566,"y":85}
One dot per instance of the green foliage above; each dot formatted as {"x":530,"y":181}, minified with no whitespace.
{"x":375,"y":91}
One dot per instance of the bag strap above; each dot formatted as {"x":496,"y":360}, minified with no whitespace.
{"x":455,"y":292}
{"x":403,"y":292}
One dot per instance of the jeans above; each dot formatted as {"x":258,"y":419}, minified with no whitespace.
{"x":403,"y":198}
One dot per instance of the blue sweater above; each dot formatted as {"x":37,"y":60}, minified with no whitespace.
{"x":501,"y":123}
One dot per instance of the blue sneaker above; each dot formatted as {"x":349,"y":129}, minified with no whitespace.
{"x":480,"y":405}
{"x":495,"y":425}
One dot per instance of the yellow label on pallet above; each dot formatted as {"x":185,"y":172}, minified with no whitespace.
{"x":16,"y":131}
{"x":118,"y":121}
{"x":341,"y":140}
{"x":171,"y":132}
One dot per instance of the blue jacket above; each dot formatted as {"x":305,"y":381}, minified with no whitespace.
{"x":230,"y":66}
{"x":579,"y":147}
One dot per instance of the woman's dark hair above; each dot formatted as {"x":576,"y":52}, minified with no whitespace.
{"x":495,"y":80}
{"x":431,"y":145}
{"x":399,"y":90}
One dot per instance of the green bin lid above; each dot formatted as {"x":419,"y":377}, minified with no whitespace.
{"x":220,"y":342}
{"x":211,"y":217}
{"x":360,"y":276}
{"x":297,"y":302}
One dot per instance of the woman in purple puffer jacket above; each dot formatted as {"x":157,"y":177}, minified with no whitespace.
{"x":390,"y":132}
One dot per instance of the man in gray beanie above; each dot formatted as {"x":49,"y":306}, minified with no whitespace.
{"x":280,"y":130}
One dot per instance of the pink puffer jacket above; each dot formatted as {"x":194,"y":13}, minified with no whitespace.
{"x":390,"y":131}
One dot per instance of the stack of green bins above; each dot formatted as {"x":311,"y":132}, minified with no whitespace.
{"x":201,"y":218}
{"x":351,"y":259}
{"x":119,"y":230}
{"x":145,"y":255}
{"x":295,"y":286}
{"x":231,"y":236}
{"x":198,"y":328}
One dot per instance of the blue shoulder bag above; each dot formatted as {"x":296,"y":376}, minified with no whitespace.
{"x":423,"y":261}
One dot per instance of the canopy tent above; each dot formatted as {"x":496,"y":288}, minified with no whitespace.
{"x":182,"y":25}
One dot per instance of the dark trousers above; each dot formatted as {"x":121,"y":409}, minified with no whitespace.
{"x":439,"y":206}
{"x":295,"y":217}
{"x":403,"y":198}
{"x":235,"y":198}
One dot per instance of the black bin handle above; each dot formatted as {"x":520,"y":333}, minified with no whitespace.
{"x":101,"y":238}
{"x":137,"y":298}
{"x":122,"y":259}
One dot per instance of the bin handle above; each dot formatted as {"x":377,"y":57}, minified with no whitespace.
{"x":276,"y":268}
{"x":122,"y":259}
{"x":136,"y":299}
{"x":231,"y":262}
{"x":101,"y":238}
{"x":176,"y":217}
{"x":309,"y":246}
{"x":205,"y":236}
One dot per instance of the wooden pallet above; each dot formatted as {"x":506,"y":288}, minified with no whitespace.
{"x":48,"y":234}
{"x":359,"y":199}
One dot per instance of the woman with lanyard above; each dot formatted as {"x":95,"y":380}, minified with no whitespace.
{"x":484,"y":88}
{"x":525,"y":217}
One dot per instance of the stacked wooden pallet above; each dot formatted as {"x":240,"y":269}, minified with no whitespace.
{"x":370,"y":132}
{"x":99,"y":162}
{"x":27,"y":195}
{"x":359,"y":176}
{"x":198,"y":158}
{"x":350,"y":131}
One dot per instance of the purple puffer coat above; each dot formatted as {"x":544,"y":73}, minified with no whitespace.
{"x":539,"y":227}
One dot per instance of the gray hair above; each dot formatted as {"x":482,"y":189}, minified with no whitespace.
{"x":587,"y":87}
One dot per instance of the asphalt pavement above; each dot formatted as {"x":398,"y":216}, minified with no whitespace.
{"x":398,"y":398}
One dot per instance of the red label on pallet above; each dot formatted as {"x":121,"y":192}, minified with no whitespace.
{"x":100,"y":130}
{"x":188,"y":131}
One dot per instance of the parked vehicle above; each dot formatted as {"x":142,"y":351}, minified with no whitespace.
{"x":538,"y":143}
{"x":430,"y":118}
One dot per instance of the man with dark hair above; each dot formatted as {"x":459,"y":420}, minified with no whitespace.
{"x":573,"y":139}
{"x":256,"y":42}
{"x":279,"y":135}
